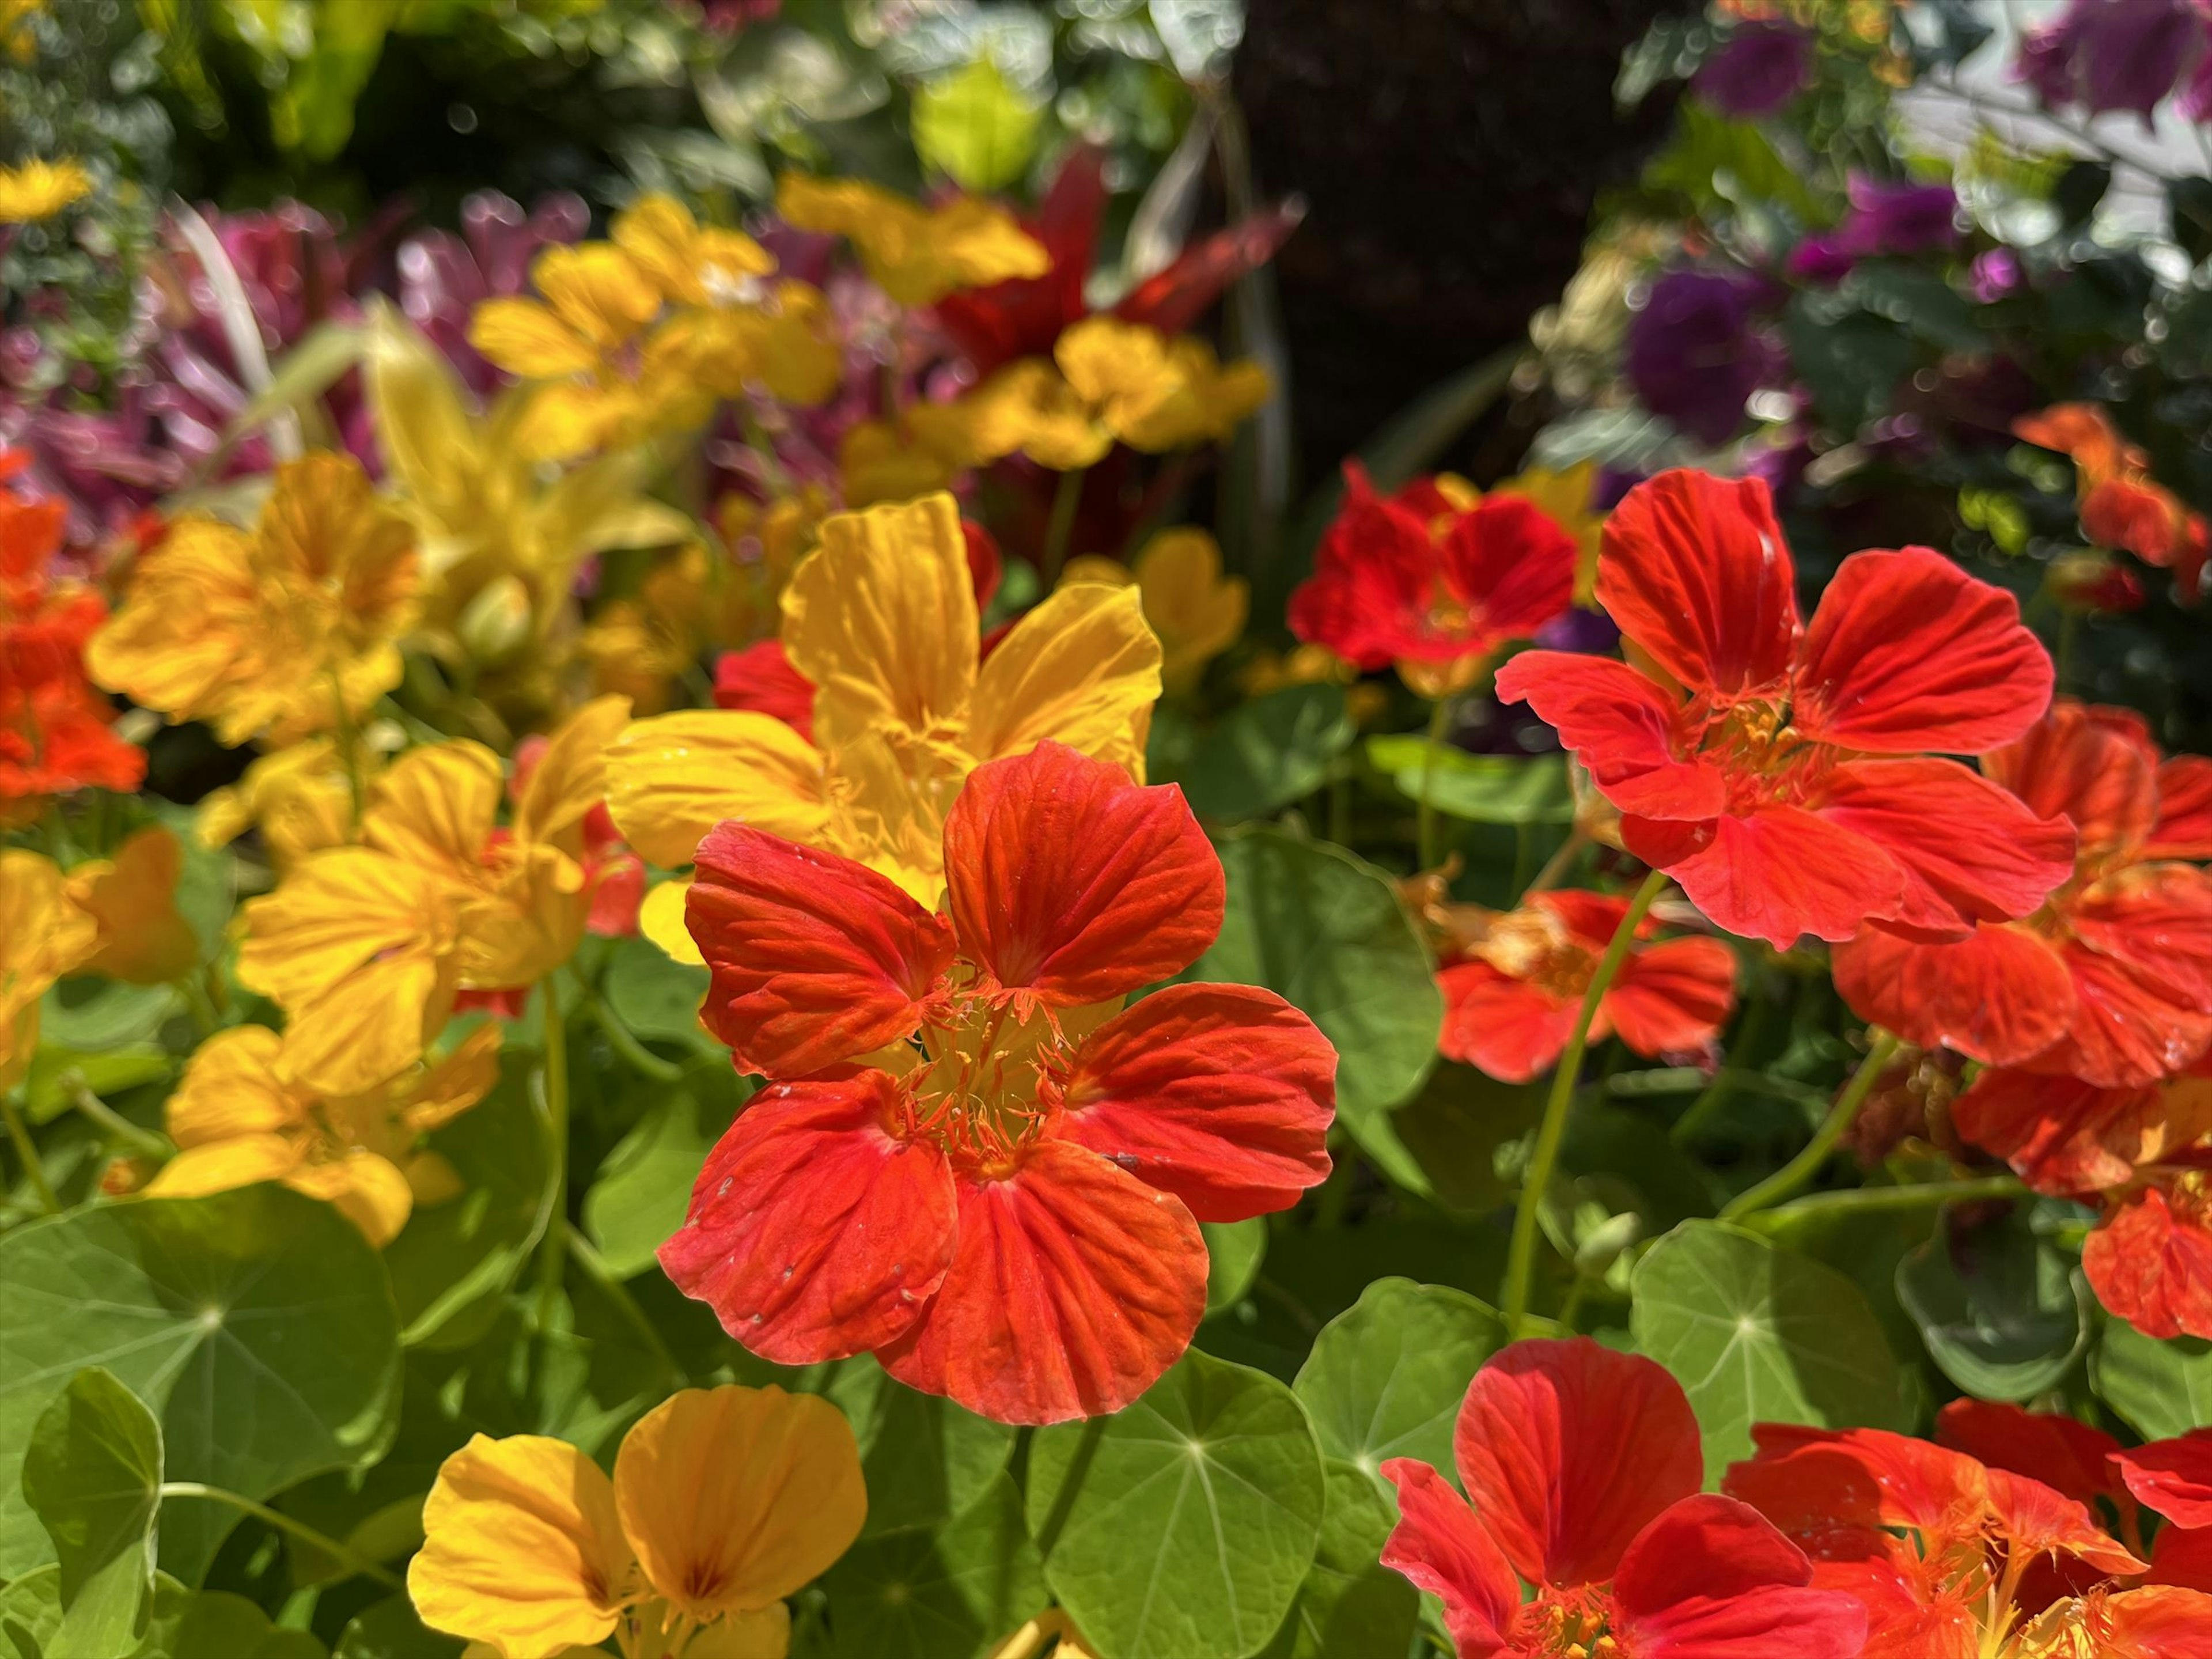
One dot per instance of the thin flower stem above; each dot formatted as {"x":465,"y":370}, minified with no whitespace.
{"x":1869,"y":1200}
{"x":595,"y":1267}
{"x":1556,"y":867}
{"x":27,"y":1152}
{"x":1425,"y":810}
{"x":1793,"y":1177}
{"x":343,"y":737}
{"x":113,"y":1124}
{"x":352,"y":1561}
{"x":1060,"y":526}
{"x":1520,"y":1258}
{"x":554,"y":1075}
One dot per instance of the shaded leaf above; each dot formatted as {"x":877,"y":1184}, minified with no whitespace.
{"x":2005,"y":1313}
{"x":92,"y":1474}
{"x":944,"y":1593}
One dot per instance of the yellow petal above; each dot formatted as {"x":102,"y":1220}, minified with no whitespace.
{"x":433,"y":1180}
{"x":38,"y":189}
{"x":186,"y":626}
{"x":422,"y":424}
{"x":526,"y":338}
{"x":571,"y":777}
{"x":42,"y":937}
{"x":976,"y":243}
{"x":221,"y":1166}
{"x":1082,"y":668}
{"x":435,"y":808}
{"x":876,"y":464}
{"x":561,"y":420}
{"x":521,"y":1548}
{"x":527,"y":923}
{"x":672,"y":778}
{"x":230,"y":1088}
{"x":454,"y":1083}
{"x":143,"y":940}
{"x":1197,"y":613}
{"x":1028,"y":405}
{"x":597,"y":290}
{"x":690,"y":265}
{"x":735,"y":1498}
{"x":660,"y":919}
{"x":1096,"y":568}
{"x":882,"y":619}
{"x":890,"y":812}
{"x":764,"y":1634}
{"x":362,"y":1031}
{"x":323,"y":520}
{"x":917,"y":256}
{"x":367,"y":1190}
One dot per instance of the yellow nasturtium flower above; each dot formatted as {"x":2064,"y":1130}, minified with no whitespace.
{"x":365,"y":947}
{"x":882,"y":619}
{"x":237,"y":1120}
{"x":724,"y":1501}
{"x":916,"y":255}
{"x":1197,"y":613}
{"x":255,"y":633}
{"x":43,"y":935}
{"x":133,"y":899}
{"x":40,"y":190}
{"x":299,"y":797}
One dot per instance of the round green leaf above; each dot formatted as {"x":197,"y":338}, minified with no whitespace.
{"x":1182,"y":1527}
{"x":1351,"y":1606}
{"x":1234,"y":1251}
{"x":1266,"y":754}
{"x":1481,"y":788}
{"x":652,"y":994}
{"x":942,"y":1593}
{"x":2162,"y":1388}
{"x":1386,"y":1376}
{"x":257,"y":1324}
{"x":1756,"y":1335}
{"x":1326,"y":932}
{"x":92,"y":1474}
{"x":926,"y":1460}
{"x":389,"y":1630}
{"x":975,"y":127}
{"x":2004,"y":1313}
{"x":639,"y":1197}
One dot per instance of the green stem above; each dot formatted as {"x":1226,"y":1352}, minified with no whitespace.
{"x":113,"y":1124}
{"x":1869,"y":1200}
{"x":27,"y":1151}
{"x":624,"y":1041}
{"x":2070,"y":633}
{"x":551,"y":1261}
{"x":352,"y":1561}
{"x":1520,"y":1258}
{"x":1065,"y":500}
{"x":1426,"y":811}
{"x":1793,"y":1177}
{"x":596,"y":1269}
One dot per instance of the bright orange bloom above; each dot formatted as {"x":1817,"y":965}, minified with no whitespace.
{"x":2111,"y":980}
{"x":1513,"y":994}
{"x":2121,"y":506}
{"x":1790,"y":775}
{"x":983,"y":1169}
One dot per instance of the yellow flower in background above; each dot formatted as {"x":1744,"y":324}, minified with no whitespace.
{"x":1197,"y":613}
{"x":238,"y":1120}
{"x":42,"y":936}
{"x":916,"y":255}
{"x":365,"y":947}
{"x":639,"y":644}
{"x":266,"y":634}
{"x":1313,"y":665}
{"x":40,"y":190}
{"x":882,"y":619}
{"x":132,"y":900}
{"x":692,"y":264}
{"x":879,"y":461}
{"x":299,"y":798}
{"x":724,"y":1501}
{"x":1108,"y":381}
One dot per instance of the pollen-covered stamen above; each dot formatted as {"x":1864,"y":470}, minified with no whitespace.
{"x":1573,"y":1623}
{"x":979,"y":1092}
{"x":1765,"y":757}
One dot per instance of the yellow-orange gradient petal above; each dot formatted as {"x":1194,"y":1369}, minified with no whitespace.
{"x":143,"y":940}
{"x":570,"y":777}
{"x":230,"y":1088}
{"x":672,"y":778}
{"x":221,"y":1166}
{"x":367,"y":1189}
{"x":1082,"y":668}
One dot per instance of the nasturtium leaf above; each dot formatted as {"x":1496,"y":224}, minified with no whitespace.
{"x":212,"y":1622}
{"x":48,"y":1086}
{"x":1234,"y":1251}
{"x":975,"y":127}
{"x":257,"y":1324}
{"x":389,"y":1630}
{"x":1351,"y":1606}
{"x":1756,"y":1335}
{"x":925,"y":1458}
{"x":1385,"y":1378}
{"x":92,"y":1474}
{"x":938,"y":1593}
{"x":452,"y":1260}
{"x":1454,"y":1130}
{"x":643,"y":1188}
{"x":1328,"y":932}
{"x":1481,"y":788}
{"x":94,"y":1014}
{"x":2161,"y":1389}
{"x":2005,"y":1313}
{"x":1266,"y":754}
{"x":30,"y":1612}
{"x":1182,"y":1527}
{"x":653,"y":994}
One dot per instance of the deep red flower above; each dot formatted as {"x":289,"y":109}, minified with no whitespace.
{"x":2111,"y":980}
{"x":614,"y":875}
{"x":1786,"y":775}
{"x":974,"y":1163}
{"x":1581,"y":1467}
{"x":761,"y":677}
{"x":1436,"y":593}
{"x":1513,"y":996}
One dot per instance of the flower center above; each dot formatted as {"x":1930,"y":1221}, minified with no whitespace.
{"x":1534,"y":947}
{"x":1765,"y":757}
{"x":985,"y":1080}
{"x":1574,"y":1624}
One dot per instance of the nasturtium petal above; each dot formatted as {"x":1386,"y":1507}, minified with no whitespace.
{"x":436,"y":806}
{"x":660,"y":919}
{"x":1621,"y":725}
{"x":2000,"y":995}
{"x":672,"y":778}
{"x":1441,"y":1548}
{"x":1082,"y":669}
{"x":1774,"y":872}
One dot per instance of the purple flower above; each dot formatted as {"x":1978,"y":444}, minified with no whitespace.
{"x":1762,"y":66}
{"x":443,"y":277}
{"x":1883,"y":219}
{"x":1825,"y":259}
{"x":1996,"y":274}
{"x":2105,"y":55}
{"x":1695,"y":351}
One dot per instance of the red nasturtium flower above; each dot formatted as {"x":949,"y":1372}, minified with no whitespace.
{"x":1788,"y":775}
{"x":1436,"y":588}
{"x":1581,"y":1468}
{"x":973,"y":1162}
{"x":1515,"y":989}
{"x":1954,"y":1559}
{"x":2143,"y":1156}
{"x":2111,"y":980}
{"x":2121,"y":506}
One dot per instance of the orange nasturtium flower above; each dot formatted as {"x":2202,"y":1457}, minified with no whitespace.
{"x":254,"y":634}
{"x":365,"y":947}
{"x":882,"y":619}
{"x":916,"y":255}
{"x":981,"y":1169}
{"x":2120,"y":505}
{"x":42,"y":936}
{"x":1197,"y":613}
{"x":237,"y":1120}
{"x":724,"y":1501}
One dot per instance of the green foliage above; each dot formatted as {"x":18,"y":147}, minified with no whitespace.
{"x":943,"y":1592}
{"x":91,"y":1473}
{"x":1481,"y":788}
{"x":1263,"y":755}
{"x":2161,"y":1389}
{"x":2006,"y":1314}
{"x":1386,"y":1379}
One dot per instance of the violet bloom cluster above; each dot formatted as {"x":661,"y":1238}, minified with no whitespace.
{"x":1699,"y":348}
{"x":1884,"y":219}
{"x":2102,"y":56}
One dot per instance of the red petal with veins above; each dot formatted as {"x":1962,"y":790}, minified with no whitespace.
{"x":761,"y":678}
{"x":1776,"y":874}
{"x":2174,"y":1477}
{"x":1372,"y":581}
{"x":2072,"y":763}
{"x":1510,"y":565}
{"x":2156,"y":918}
{"x":2183,"y":828}
{"x":1908,"y":654}
{"x":2034,"y":1520}
{"x":2001,"y":995}
{"x":2063,"y":1453}
{"x":1505,"y":1027}
{"x":2151,"y":1263}
{"x":815,"y":958}
{"x":1672,"y":996}
{"x":2061,"y":1135}
{"x":1066,"y":880}
{"x":1808,"y":1480}
{"x":1220,"y":1094}
{"x":813,"y":1234}
{"x":1695,"y":571}
{"x":2130,"y":1026}
{"x":1567,"y":1449}
{"x":1711,"y":1578}
{"x":1620,"y":723}
{"x":1439,"y":1546}
{"x":1074,"y":1287}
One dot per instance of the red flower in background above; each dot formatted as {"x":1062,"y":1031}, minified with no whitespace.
{"x":1788,"y":776}
{"x":981,"y":1168}
{"x":1513,"y":996}
{"x":1581,"y":1468}
{"x":2111,"y":980}
{"x":54,"y":733}
{"x":1435,"y":589}
{"x":2120,"y":504}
